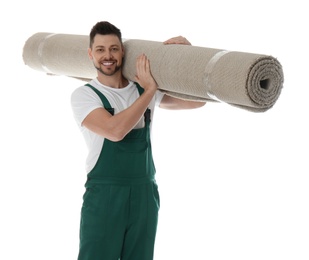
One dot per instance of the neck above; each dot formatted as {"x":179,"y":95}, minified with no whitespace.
{"x":114,"y":81}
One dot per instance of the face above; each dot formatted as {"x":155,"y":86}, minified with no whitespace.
{"x":107,"y":53}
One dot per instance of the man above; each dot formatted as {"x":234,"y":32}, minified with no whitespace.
{"x":121,"y":203}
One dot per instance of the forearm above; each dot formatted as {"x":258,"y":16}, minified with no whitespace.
{"x":173,"y":103}
{"x":123,"y":122}
{"x":116,"y":127}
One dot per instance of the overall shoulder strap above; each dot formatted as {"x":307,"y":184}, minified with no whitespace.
{"x":147,"y":112}
{"x":139,"y":88}
{"x":104,"y":100}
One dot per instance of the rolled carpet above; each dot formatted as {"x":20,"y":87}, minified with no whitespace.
{"x":247,"y":80}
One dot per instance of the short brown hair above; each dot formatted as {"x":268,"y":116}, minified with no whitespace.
{"x":104,"y":28}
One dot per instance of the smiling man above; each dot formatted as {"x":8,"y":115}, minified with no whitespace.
{"x":110,"y":61}
{"x":120,"y":206}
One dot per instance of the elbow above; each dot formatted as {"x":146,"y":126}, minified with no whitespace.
{"x":116,"y":136}
{"x":202,"y":104}
{"x":115,"y":139}
{"x":112,"y":132}
{"x":198,"y":104}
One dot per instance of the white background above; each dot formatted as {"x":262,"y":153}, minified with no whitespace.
{"x":233,"y":184}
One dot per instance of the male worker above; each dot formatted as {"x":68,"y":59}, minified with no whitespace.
{"x":120,"y":209}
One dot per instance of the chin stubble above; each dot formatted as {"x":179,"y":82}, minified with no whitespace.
{"x":107,"y":74}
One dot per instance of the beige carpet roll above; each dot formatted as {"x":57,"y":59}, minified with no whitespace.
{"x":246,"y":80}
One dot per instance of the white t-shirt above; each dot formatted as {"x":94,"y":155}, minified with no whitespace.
{"x":84,"y":100}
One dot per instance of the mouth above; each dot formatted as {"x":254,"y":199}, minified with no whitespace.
{"x":107,"y":63}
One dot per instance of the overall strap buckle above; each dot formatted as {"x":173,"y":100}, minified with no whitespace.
{"x":147,"y":115}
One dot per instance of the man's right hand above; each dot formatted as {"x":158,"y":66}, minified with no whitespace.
{"x":143,"y":74}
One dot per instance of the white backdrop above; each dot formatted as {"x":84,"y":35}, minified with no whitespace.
{"x":233,"y":184}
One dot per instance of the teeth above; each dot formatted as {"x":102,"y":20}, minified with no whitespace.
{"x":107,"y":63}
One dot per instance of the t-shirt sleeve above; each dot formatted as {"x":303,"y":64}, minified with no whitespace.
{"x":83,"y":101}
{"x":159,"y":96}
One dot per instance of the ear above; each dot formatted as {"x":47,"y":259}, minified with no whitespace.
{"x":90,"y":54}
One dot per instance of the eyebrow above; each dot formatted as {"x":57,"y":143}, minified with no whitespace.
{"x":102,"y":46}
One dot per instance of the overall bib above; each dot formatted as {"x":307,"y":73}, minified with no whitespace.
{"x":121,"y":202}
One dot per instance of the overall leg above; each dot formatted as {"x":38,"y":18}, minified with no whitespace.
{"x":141,"y":232}
{"x":103,"y":222}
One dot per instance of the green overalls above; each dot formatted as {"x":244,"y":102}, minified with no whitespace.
{"x":121,"y":203}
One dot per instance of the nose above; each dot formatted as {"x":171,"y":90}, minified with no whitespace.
{"x":109,"y":55}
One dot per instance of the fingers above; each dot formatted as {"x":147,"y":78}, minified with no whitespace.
{"x":142,"y":64}
{"x":177,"y":40}
{"x":143,"y":73}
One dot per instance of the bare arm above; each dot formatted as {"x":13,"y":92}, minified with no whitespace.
{"x":172,"y":103}
{"x":116,"y":127}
